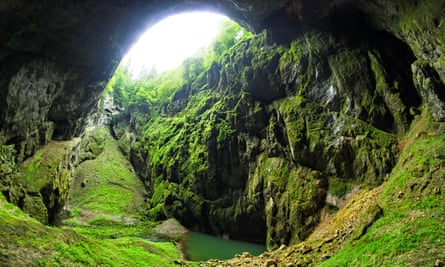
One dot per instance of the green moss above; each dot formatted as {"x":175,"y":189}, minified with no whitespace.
{"x":106,"y":185}
{"x":291,"y":193}
{"x":356,"y":151}
{"x":93,"y":142}
{"x":43,"y":168}
{"x":421,"y":19}
{"x":10,"y":182}
{"x":45,"y":178}
{"x":35,"y":207}
{"x":47,"y":130}
{"x":47,"y":246}
{"x":7,"y":160}
{"x":338,"y":187}
{"x":393,"y":100}
{"x":411,"y":230}
{"x":225,"y":132}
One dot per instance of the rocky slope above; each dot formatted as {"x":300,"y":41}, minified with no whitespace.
{"x":40,"y":184}
{"x":400,"y":223}
{"x":89,"y":190}
{"x":26,"y":242}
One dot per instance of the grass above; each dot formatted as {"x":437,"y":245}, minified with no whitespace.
{"x":26,"y":242}
{"x":107,"y":186}
{"x":412,"y":229}
{"x":105,"y":230}
{"x":106,"y":196}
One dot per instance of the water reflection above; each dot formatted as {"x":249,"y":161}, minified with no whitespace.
{"x":201,"y":247}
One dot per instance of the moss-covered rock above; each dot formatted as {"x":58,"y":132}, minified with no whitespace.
{"x":93,"y":142}
{"x":46,"y":178}
{"x":10,"y":184}
{"x":325,"y":108}
{"x":26,"y":242}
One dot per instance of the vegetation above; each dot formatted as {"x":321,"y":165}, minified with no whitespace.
{"x":244,"y":133}
{"x":180,"y":118}
{"x":151,"y":90}
{"x":27,"y":242}
{"x":106,"y":196}
{"x":104,"y":229}
{"x":400,"y":223}
{"x":174,"y":116}
{"x":411,"y":230}
{"x":107,"y":183}
{"x":105,"y":226}
{"x":310,"y":104}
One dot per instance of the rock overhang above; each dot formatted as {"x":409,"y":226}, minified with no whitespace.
{"x":84,"y":41}
{"x":93,"y":34}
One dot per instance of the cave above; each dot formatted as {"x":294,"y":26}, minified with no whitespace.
{"x":74,"y":48}
{"x":328,"y":96}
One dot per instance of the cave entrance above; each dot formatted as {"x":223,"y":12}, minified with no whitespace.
{"x":169,"y":42}
{"x":160,"y":67}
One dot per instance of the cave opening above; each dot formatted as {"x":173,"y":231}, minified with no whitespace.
{"x":200,"y":144}
{"x":165,"y":64}
{"x":165,"y":45}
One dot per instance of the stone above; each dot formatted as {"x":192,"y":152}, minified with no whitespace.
{"x":270,"y":262}
{"x":80,"y":53}
{"x":325,"y":256}
{"x":246,"y":255}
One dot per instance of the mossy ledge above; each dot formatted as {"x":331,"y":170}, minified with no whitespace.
{"x":102,"y":223}
{"x":26,"y":242}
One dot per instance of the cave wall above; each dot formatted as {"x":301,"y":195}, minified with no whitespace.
{"x":81,"y":43}
{"x":271,"y":136}
{"x":56,"y":56}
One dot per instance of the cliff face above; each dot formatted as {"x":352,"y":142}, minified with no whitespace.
{"x":55,"y":57}
{"x":255,"y":144}
{"x":40,"y":184}
{"x":253,"y":147}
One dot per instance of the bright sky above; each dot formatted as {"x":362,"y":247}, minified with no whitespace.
{"x":169,"y":42}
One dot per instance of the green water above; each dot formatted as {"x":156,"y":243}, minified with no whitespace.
{"x":201,"y":247}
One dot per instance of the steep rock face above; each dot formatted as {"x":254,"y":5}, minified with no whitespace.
{"x":82,"y":42}
{"x":40,"y":185}
{"x":35,"y":105}
{"x":56,"y":56}
{"x":256,"y":144}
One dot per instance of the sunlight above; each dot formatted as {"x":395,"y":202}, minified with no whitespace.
{"x":169,"y":42}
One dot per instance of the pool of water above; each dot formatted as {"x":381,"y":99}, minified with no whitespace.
{"x":201,"y":247}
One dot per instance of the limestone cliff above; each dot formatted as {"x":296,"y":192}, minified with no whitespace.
{"x":56,"y":57}
{"x":252,"y":147}
{"x":260,"y":145}
{"x":40,"y":184}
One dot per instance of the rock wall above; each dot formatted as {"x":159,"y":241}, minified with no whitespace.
{"x":36,"y":107}
{"x":252,"y":147}
{"x":40,"y":184}
{"x":57,"y":56}
{"x":324,"y":110}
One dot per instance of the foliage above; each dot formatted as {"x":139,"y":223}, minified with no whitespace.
{"x":152,"y":90}
{"x":171,"y":138}
{"x":191,"y":125}
{"x":230,"y":34}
